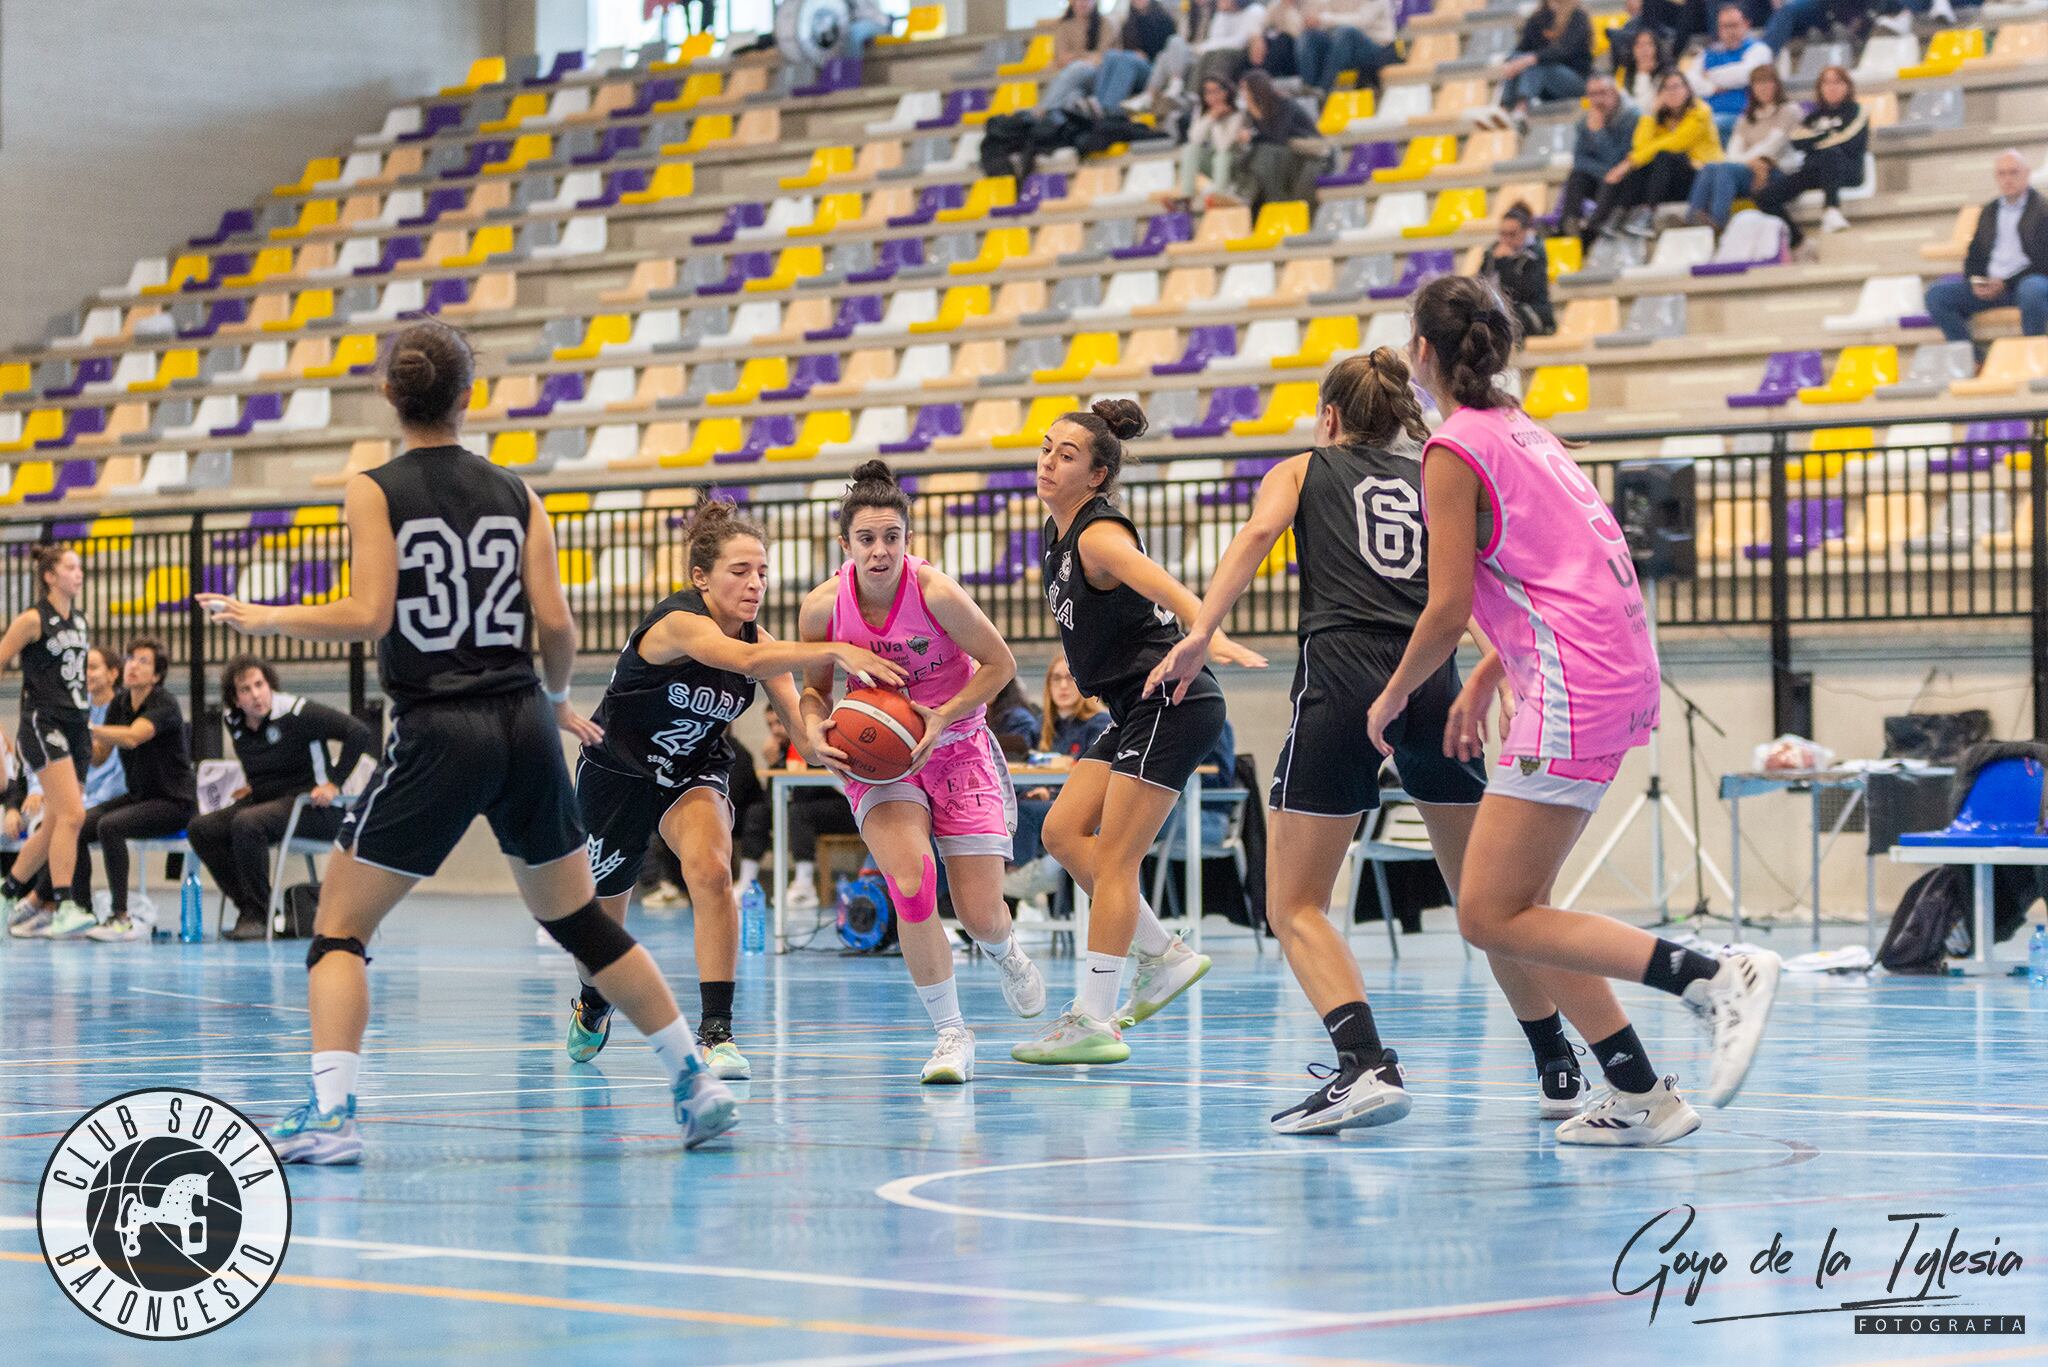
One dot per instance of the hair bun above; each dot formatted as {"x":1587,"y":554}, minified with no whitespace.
{"x":1124,"y":419}
{"x":873,"y":472}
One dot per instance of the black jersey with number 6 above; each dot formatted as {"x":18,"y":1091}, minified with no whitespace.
{"x":53,"y":666}
{"x":666,"y":722}
{"x":1112,"y":639}
{"x":1359,"y":540}
{"x":459,"y":630}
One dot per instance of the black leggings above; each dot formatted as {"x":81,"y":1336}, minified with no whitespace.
{"x":1825,"y":174}
{"x":1666,"y":178}
{"x":234,"y":843}
{"x":113,"y":824}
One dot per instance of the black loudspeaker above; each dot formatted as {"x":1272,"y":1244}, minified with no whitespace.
{"x":1658,"y":509}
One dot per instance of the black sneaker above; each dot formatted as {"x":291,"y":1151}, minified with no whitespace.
{"x":1356,"y":1095}
{"x":1564,"y":1087}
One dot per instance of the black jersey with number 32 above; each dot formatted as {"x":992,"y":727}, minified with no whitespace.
{"x":53,"y":667}
{"x":1359,"y":540}
{"x":665,"y":722}
{"x":459,"y":630}
{"x":1112,"y":639}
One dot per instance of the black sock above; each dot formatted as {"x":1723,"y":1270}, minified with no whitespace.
{"x":594,"y":1003}
{"x":1673,"y":967}
{"x":1353,"y":1032}
{"x":1546,"y":1038}
{"x":714,"y":1016}
{"x":1623,"y":1060}
{"x":13,"y":888}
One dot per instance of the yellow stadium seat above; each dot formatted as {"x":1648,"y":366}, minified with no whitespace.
{"x":793,"y":264}
{"x":1279,"y":558}
{"x":1324,"y":339}
{"x":1603,"y":30}
{"x":1565,"y":253}
{"x":1344,"y":108}
{"x":956,"y":306}
{"x":818,"y":431}
{"x":671,"y":180}
{"x":42,"y":424}
{"x":833,"y":212}
{"x":1423,"y":156}
{"x":1858,"y":371}
{"x":1011,"y":97}
{"x":986,"y":193}
{"x":1555,"y":389}
{"x":2009,"y":366}
{"x":182,"y":364}
{"x":526,"y":149}
{"x":109,"y":535}
{"x":16,"y":377}
{"x":164,"y":584}
{"x":566,"y":503}
{"x":482,"y":72}
{"x":479,"y":395}
{"x":309,"y":308}
{"x":1454,"y":209}
{"x":998,"y":245}
{"x":694,"y":48}
{"x":318,"y":169}
{"x":826,"y":162}
{"x":706,"y":130}
{"x":514,"y":448}
{"x":269,"y":262}
{"x":495,"y":240}
{"x":603,"y":330}
{"x":576,"y":565}
{"x":1578,"y":323}
{"x":759,"y":373}
{"x":1085,"y":352}
{"x":530,"y":105}
{"x":1829,"y":450}
{"x":1043,"y":413}
{"x":710,"y":438}
{"x":1278,"y":220}
{"x":192,"y":268}
{"x":1038,"y":54}
{"x":925,"y":21}
{"x":1289,"y":405}
{"x":698,"y":87}
{"x":358,"y":348}
{"x":1946,"y":52}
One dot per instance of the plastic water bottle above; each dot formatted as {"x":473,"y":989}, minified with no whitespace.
{"x":2037,"y":957}
{"x":753,"y":919}
{"x":191,"y":906}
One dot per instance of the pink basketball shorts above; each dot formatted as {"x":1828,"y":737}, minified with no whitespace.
{"x":965,"y":785}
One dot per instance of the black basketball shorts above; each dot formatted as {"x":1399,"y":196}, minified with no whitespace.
{"x":1160,"y":742}
{"x":623,"y":811}
{"x":48,"y":737}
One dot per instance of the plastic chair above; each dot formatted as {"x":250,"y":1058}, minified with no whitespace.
{"x":2003,"y":807}
{"x":1558,"y":389}
{"x":2010,"y":365}
{"x":1858,"y":371}
{"x":1882,"y":302}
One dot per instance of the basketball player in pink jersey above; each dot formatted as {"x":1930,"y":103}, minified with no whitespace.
{"x":957,"y":794}
{"x":1520,"y":539}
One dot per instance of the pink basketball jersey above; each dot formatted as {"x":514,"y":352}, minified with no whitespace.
{"x":1558,"y":597}
{"x":909,"y":639}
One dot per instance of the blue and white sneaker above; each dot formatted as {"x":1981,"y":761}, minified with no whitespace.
{"x":27,"y":921}
{"x":587,"y":1031}
{"x":308,"y":1134}
{"x":705,"y":1107}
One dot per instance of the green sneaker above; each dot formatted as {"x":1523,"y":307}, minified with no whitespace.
{"x":586,"y":1035}
{"x":726,"y":1061}
{"x":1074,"y":1038}
{"x":71,"y":922}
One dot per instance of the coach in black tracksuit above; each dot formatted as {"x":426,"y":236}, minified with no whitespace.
{"x":282,"y":741}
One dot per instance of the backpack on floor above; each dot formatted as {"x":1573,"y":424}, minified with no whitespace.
{"x":1932,"y":922}
{"x":294,"y":919}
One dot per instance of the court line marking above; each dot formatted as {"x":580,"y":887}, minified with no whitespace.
{"x":221,"y":1001}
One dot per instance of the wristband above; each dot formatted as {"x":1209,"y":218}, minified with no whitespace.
{"x":556,"y":698}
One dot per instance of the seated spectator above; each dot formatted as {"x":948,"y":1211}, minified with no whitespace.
{"x":1636,"y":69}
{"x":282,"y":742}
{"x":1553,"y":58}
{"x":1606,"y":132}
{"x":1212,"y":145}
{"x":1147,"y":30}
{"x":1078,"y":41}
{"x":1276,"y":50}
{"x":1224,"y":48}
{"x":1834,"y":138}
{"x":1518,"y":268}
{"x":1671,"y":143}
{"x":1014,"y":721}
{"x":145,"y":724}
{"x":1720,"y":73}
{"x":1347,"y":35}
{"x":2007,"y":262}
{"x":1675,"y":22}
{"x":1072,"y":723}
{"x":1761,"y":137}
{"x":1282,"y":150}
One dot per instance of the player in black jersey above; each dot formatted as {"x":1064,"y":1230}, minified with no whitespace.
{"x":664,"y":760}
{"x":448,"y":556}
{"x":55,"y":744}
{"x":1119,"y":613}
{"x":1355,"y":504}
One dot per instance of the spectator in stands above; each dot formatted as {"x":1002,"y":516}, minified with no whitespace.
{"x":1212,"y":146}
{"x":1606,"y":132}
{"x":1224,"y":48}
{"x":1282,"y":150}
{"x":1014,"y":720}
{"x":1834,"y":137}
{"x":145,"y":724}
{"x":1553,"y":57}
{"x":1900,"y":19}
{"x":1720,"y":73}
{"x":1671,"y":143}
{"x":1071,"y":724}
{"x":1146,"y":32}
{"x":1517,"y":267}
{"x":1277,"y":50}
{"x":2007,"y":262}
{"x":1078,"y":41}
{"x":1347,"y":35}
{"x":282,"y":741}
{"x":1760,"y":138}
{"x":1636,"y":71}
{"x":1675,"y":22}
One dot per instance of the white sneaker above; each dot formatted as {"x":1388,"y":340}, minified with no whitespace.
{"x":1900,"y":23}
{"x":1632,"y":1120}
{"x":116,"y":930}
{"x":953,"y":1060}
{"x":71,"y":922}
{"x":1832,"y":220}
{"x":1159,"y":979}
{"x":1733,"y":1007}
{"x":800,"y":895}
{"x":1942,"y":12}
{"x":1023,"y":984}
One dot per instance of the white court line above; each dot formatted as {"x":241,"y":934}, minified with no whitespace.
{"x":220,"y":1001}
{"x":1022,"y":1347}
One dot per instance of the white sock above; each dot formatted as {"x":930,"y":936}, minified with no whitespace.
{"x":1150,"y":938}
{"x":1098,"y":989}
{"x":334,"y":1077}
{"x":675,"y":1046}
{"x":998,"y":949}
{"x":803,"y":873}
{"x":942,"y":1003}
{"x":750,"y":871}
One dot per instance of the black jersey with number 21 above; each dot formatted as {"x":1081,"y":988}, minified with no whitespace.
{"x":666,"y":722}
{"x":1359,"y":541}
{"x":459,"y":629}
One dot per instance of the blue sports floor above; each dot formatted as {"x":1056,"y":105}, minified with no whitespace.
{"x":516,"y":1207}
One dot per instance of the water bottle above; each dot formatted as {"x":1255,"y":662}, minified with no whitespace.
{"x":191,"y":906}
{"x":753,"y":919}
{"x":2037,"y":957}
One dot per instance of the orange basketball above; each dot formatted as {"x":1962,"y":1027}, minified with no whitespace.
{"x":877,"y":728}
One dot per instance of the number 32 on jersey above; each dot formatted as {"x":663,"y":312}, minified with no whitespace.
{"x":442,"y":617}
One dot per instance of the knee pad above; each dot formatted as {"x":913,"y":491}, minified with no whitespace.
{"x":593,"y":938}
{"x":324,"y":945}
{"x":920,"y":905}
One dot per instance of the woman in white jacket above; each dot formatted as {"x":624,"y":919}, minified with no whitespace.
{"x":1212,"y":143}
{"x":1759,"y":140}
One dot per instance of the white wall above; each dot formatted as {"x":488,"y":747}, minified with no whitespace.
{"x":128,"y":127}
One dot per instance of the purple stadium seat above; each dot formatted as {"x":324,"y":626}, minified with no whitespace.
{"x":217,"y":579}
{"x":261,"y":522}
{"x":650,"y":94}
{"x":440,"y":294}
{"x":564,"y":63}
{"x":1813,"y":521}
{"x":955,"y":104}
{"x":1243,"y":484}
{"x":1002,"y":485}
{"x":219,"y":314}
{"x":78,"y":422}
{"x":435,"y":119}
{"x":838,"y":73}
{"x":480,"y":155}
{"x":71,"y":475}
{"x":310,"y":579}
{"x":617,"y":183}
{"x":224,"y":265}
{"x":610,"y":143}
{"x":1985,"y":445}
{"x":561,"y":387}
{"x":1204,"y":345}
{"x":933,"y":421}
{"x":1785,"y":374}
{"x":774,"y":430}
{"x":233,"y":223}
{"x":1226,"y":406}
{"x":1159,"y":232}
{"x":1366,"y":158}
{"x":91,"y":370}
{"x":403,"y":247}
{"x":257,"y":408}
{"x":1017,"y":556}
{"x":930,"y":200}
{"x":892,"y":254}
{"x":1418,"y":270}
{"x":741,"y":267}
{"x":737,"y":216}
{"x":811,"y":371}
{"x":854,"y":310}
{"x":446,"y":200}
{"x":1036,"y":189}
{"x":70,"y":531}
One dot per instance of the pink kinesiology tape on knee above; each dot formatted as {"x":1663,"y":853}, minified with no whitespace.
{"x":919,"y":905}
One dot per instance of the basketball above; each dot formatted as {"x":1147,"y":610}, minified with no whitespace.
{"x":877,"y":728}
